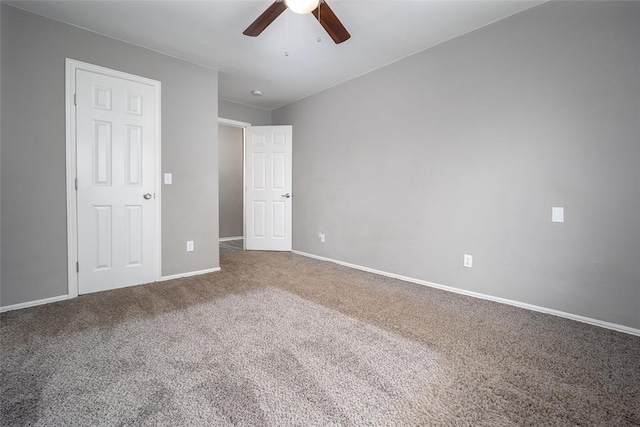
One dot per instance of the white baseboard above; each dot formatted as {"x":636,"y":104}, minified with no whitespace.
{"x":33,"y":303}
{"x":595,"y":322}
{"x":189,"y":274}
{"x":64,"y":297}
{"x":226,"y":239}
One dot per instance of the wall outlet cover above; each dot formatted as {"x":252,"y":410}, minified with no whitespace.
{"x":190,"y":246}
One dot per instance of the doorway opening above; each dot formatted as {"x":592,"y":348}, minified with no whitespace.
{"x":231,"y":145}
{"x":265,"y":174}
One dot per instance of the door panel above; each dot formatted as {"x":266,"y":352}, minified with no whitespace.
{"x":102,"y":237}
{"x":268,"y":178}
{"x":279,"y":215}
{"x":102,"y":153}
{"x":133,"y":235}
{"x":259,"y":216}
{"x":133,"y":156}
{"x":115,"y":143}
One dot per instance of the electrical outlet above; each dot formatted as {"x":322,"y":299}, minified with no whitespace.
{"x":189,"y":245}
{"x":168,"y":178}
{"x":468,"y":260}
{"x":321,"y":236}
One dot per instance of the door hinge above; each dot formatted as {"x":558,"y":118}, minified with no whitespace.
{"x":77,"y":267}
{"x":75,"y":99}
{"x":76,"y":183}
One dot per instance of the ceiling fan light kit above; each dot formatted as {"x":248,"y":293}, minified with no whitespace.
{"x":302,"y":6}
{"x":318,"y":8}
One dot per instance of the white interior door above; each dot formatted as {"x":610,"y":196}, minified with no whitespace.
{"x":116,"y":144}
{"x":268,"y":167}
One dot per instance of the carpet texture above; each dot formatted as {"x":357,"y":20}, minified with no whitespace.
{"x":279,"y":339}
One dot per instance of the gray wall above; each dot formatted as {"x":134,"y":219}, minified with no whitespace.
{"x":0,"y":158}
{"x":34,"y":249}
{"x":230,"y":147}
{"x":243,"y":113}
{"x":465,"y":147}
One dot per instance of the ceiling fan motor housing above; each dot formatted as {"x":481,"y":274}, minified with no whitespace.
{"x":324,"y":15}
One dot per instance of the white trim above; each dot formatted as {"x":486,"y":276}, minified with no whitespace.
{"x":226,"y":239}
{"x":33,"y":303}
{"x":189,"y":274}
{"x":71,"y":66}
{"x":159,"y":181}
{"x":234,"y":123}
{"x":244,"y":187}
{"x":583,"y":319}
{"x":65,"y":297}
{"x":72,"y":219}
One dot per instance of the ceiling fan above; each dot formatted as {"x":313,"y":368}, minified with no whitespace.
{"x":319,"y":8}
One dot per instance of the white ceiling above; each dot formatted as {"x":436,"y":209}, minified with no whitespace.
{"x":210,"y":33}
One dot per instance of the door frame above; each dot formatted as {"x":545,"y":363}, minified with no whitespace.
{"x":71,"y":66}
{"x":243,"y":126}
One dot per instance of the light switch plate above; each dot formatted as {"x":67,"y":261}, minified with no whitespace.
{"x":168,"y":178}
{"x":557,"y":214}
{"x":468,"y":260}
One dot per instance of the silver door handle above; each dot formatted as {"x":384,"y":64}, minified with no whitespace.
{"x":286,"y":196}
{"x":147,"y":196}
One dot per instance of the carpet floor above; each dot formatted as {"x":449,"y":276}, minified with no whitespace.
{"x":279,"y":339}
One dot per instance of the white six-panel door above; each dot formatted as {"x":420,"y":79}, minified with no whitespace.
{"x":115,"y":143}
{"x":268,"y":167}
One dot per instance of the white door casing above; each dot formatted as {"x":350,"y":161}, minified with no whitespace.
{"x":268,"y":204}
{"x":116,"y":157}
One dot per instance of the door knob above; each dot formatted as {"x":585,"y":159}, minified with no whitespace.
{"x":286,"y":196}
{"x":147,"y":196}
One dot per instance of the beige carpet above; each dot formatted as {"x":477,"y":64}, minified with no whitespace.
{"x":278,"y":339}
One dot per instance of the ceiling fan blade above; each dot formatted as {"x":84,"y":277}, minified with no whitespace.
{"x":267,"y":17}
{"x":331,"y":23}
